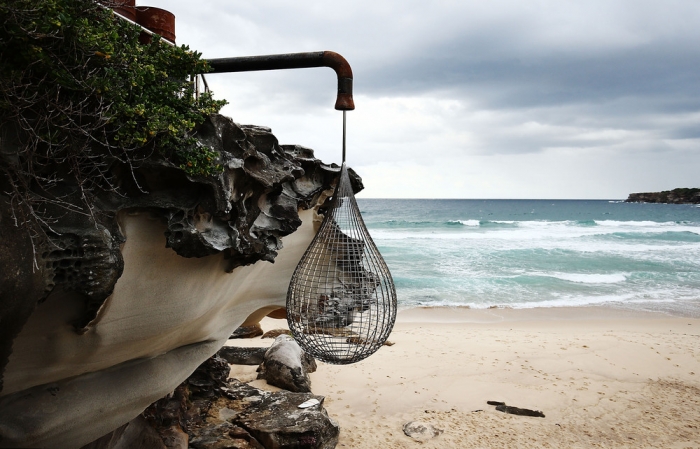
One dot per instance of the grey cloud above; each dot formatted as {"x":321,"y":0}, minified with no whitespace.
{"x":614,"y":79}
{"x":501,"y":55}
{"x":653,"y":72}
{"x":685,"y":132}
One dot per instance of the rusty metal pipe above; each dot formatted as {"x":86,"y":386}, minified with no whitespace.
{"x":344,"y":101}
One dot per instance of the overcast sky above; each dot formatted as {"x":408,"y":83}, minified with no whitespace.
{"x":473,"y":99}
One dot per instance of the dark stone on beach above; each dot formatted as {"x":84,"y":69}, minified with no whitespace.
{"x":242,"y":356}
{"x":495,"y":403}
{"x":420,"y":431}
{"x":247,"y":332}
{"x":224,"y":435}
{"x":274,"y":333}
{"x":245,"y":417}
{"x":287,"y":366}
{"x":275,"y":420}
{"x":519,"y":411}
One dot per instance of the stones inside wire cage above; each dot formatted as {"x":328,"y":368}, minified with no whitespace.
{"x":341,"y":302}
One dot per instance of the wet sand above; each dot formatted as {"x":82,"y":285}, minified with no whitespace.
{"x":602,"y":377}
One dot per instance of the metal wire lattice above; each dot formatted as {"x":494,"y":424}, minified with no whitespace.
{"x":341,"y":301}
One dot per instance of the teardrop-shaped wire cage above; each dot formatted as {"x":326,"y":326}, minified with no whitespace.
{"x":341,"y":301}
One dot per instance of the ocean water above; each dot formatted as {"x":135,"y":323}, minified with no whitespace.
{"x":539,"y":253}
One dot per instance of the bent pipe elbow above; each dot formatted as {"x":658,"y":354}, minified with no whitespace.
{"x":344,"y":100}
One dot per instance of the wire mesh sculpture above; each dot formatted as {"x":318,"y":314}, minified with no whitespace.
{"x":341,"y":301}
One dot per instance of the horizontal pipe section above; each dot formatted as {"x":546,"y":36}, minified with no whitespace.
{"x":344,"y":100}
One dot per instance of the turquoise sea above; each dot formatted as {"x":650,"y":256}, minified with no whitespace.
{"x":540,"y":253}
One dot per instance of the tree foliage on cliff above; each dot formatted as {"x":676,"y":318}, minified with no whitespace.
{"x":79,"y":94}
{"x":677,"y":196}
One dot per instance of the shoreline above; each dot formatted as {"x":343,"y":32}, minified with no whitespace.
{"x":689,"y":309}
{"x":602,"y":377}
{"x":494,"y":314}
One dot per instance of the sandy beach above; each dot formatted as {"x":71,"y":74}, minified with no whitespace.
{"x":603,"y":377}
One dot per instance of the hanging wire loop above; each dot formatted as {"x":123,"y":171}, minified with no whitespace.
{"x":341,"y":301}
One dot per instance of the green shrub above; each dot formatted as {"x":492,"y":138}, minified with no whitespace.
{"x":86,"y":95}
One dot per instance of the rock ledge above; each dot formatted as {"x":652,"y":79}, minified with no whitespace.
{"x":675,"y":196}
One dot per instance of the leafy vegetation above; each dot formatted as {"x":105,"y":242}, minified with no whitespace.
{"x":677,"y":196}
{"x":79,"y":94}
{"x":683,"y":194}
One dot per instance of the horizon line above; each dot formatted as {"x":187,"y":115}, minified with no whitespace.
{"x":497,"y":199}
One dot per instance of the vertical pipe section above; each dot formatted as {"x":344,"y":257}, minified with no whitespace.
{"x":344,"y":100}
{"x":343,"y":137}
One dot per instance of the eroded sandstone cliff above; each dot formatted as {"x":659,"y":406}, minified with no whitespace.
{"x":108,"y":312}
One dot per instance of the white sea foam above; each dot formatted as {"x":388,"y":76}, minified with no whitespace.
{"x":564,"y":301}
{"x":636,"y":224}
{"x":633,"y":300}
{"x":574,"y":301}
{"x":537,"y":230}
{"x":514,"y":259}
{"x":466,"y":222}
{"x":587,"y":278}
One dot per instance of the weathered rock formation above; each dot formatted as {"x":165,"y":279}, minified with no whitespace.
{"x":276,"y":421}
{"x":286,"y":365}
{"x":108,"y":313}
{"x":675,"y":196}
{"x":209,"y":411}
{"x":242,"y":356}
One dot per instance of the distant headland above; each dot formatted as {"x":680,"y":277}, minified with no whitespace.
{"x":675,"y":196}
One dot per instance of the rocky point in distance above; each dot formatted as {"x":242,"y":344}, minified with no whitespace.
{"x":675,"y":196}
